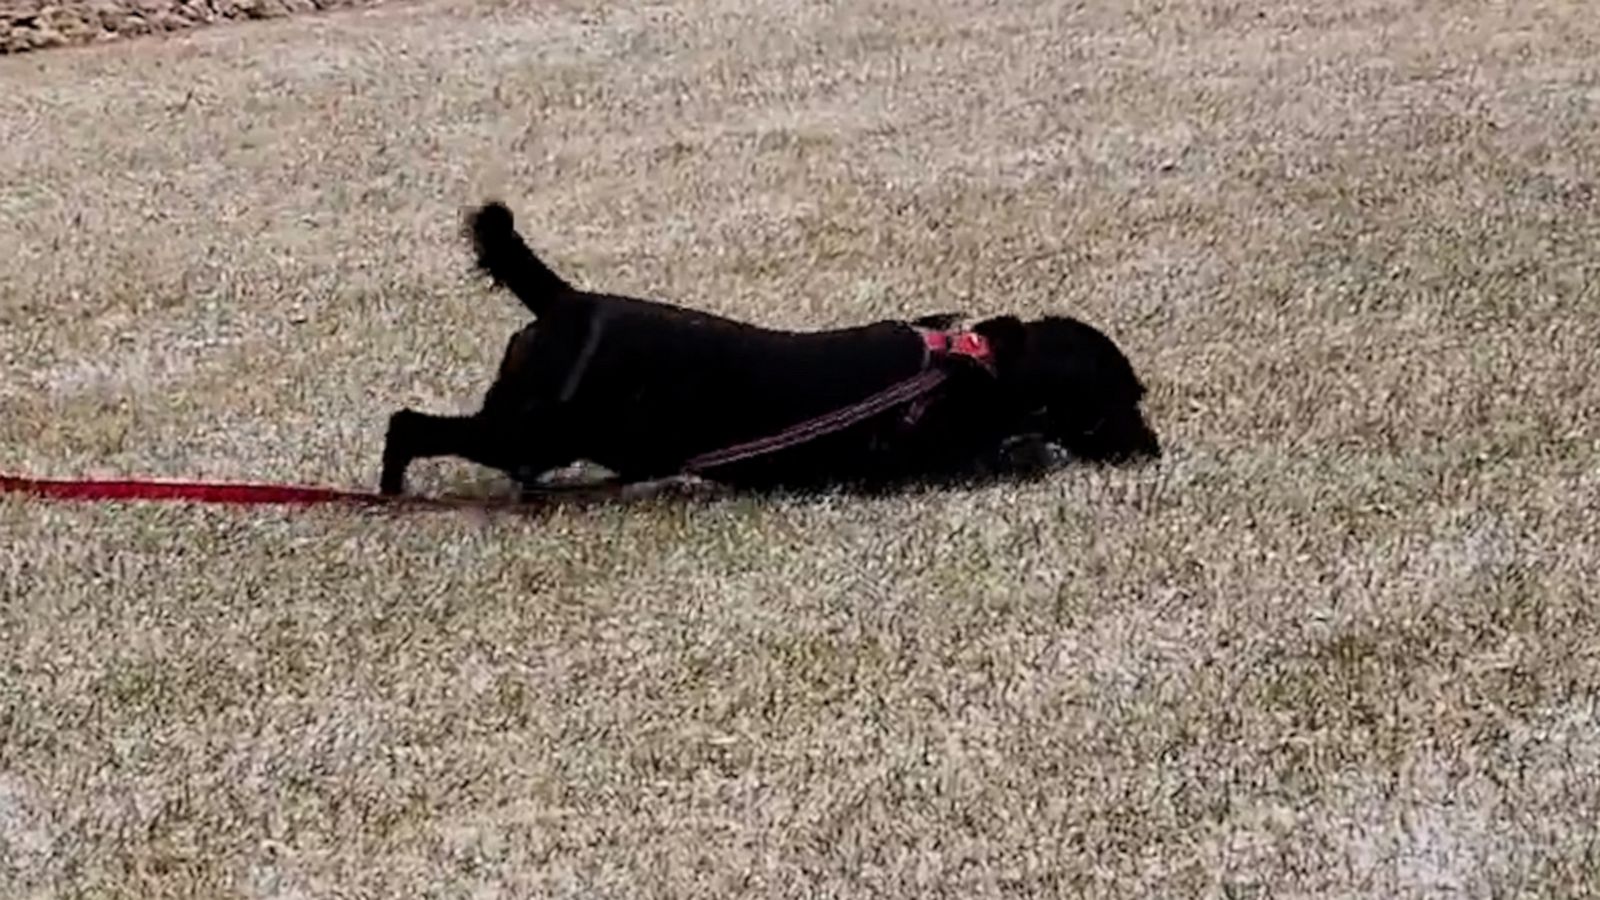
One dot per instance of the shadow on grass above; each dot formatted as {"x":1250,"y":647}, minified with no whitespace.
{"x":583,"y":488}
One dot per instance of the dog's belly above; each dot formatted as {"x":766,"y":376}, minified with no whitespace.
{"x":651,"y":398}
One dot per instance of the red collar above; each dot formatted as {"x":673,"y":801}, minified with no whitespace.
{"x":958,"y":343}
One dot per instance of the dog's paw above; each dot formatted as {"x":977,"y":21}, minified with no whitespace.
{"x":392,"y":482}
{"x":396,"y":454}
{"x":1029,"y":455}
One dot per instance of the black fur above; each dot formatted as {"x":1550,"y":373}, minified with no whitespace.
{"x":639,"y":387}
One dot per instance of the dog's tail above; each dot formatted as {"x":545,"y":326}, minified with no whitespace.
{"x":505,"y":257}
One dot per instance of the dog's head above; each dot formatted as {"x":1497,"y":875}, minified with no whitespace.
{"x":1073,"y":386}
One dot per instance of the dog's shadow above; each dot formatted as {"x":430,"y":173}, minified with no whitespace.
{"x":584,"y":486}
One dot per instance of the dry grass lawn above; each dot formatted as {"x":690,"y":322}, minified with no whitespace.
{"x":1343,"y":641}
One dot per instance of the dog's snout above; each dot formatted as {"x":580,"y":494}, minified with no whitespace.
{"x":1126,"y":438}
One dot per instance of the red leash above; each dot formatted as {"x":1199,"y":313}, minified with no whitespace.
{"x":816,"y":427}
{"x":235,"y":494}
{"x":935,"y":343}
{"x":115,"y":490}
{"x":913,"y":388}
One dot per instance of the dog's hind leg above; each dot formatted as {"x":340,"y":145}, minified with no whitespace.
{"x":483,"y":439}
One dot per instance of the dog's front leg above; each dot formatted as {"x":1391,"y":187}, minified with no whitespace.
{"x":482,"y":439}
{"x":401,"y":445}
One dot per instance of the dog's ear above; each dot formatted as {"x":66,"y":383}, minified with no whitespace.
{"x":1006,"y":335}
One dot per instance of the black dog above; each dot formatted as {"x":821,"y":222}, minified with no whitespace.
{"x":644,"y":388}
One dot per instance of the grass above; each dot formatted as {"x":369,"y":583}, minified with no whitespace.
{"x":1340,"y":642}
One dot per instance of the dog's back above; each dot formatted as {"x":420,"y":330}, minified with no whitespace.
{"x":648,"y":384}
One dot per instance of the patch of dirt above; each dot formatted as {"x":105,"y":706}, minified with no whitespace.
{"x":37,"y":24}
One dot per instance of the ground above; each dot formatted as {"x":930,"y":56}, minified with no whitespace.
{"x":1341,"y":641}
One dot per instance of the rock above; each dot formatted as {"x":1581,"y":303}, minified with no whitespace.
{"x":46,"y":37}
{"x":72,"y":25}
{"x":198,"y":13}
{"x":109,"y":15}
{"x":36,"y":24}
{"x":30,"y":33}
{"x":135,"y":24}
{"x":262,"y":9}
